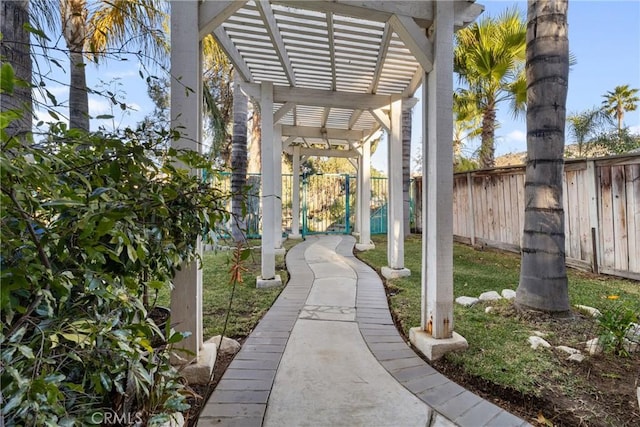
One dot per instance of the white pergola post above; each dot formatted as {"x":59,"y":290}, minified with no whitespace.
{"x":295,"y":196}
{"x":435,"y":336}
{"x":268,"y":275}
{"x":395,"y":212}
{"x":364,"y":199}
{"x":186,"y":296}
{"x":277,"y":166}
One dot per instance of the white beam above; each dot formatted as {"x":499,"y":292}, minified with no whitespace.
{"x":312,"y":132}
{"x":295,"y":196}
{"x":332,"y":49}
{"x":186,"y":296}
{"x":212,"y":14}
{"x":382,"y":53}
{"x":415,"y":39}
{"x":282,"y":111}
{"x":268,"y":184}
{"x":234,"y":56}
{"x":365,"y":195}
{"x":395,"y":211}
{"x":323,"y":98}
{"x":437,"y":279}
{"x":354,"y":118}
{"x":274,"y":34}
{"x":415,"y":83}
{"x":381,"y":117}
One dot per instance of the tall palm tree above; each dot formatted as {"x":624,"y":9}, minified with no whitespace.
{"x":467,"y":124}
{"x":489,"y":59}
{"x":15,"y":49}
{"x":406,"y":169}
{"x":543,"y":276}
{"x":584,"y":126}
{"x":618,"y":101}
{"x":109,"y":24}
{"x":238,"y":158}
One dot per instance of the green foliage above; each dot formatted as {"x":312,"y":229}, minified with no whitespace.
{"x":89,"y":222}
{"x":615,"y":322}
{"x":618,"y":141}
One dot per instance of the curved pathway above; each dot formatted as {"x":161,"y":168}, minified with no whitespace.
{"x":328,"y":354}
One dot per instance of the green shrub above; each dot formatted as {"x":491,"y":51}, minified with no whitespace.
{"x":89,"y":222}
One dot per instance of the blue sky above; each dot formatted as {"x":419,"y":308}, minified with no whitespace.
{"x":604,"y":37}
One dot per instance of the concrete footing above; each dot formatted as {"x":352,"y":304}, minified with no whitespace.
{"x":295,"y":236}
{"x":199,"y":372}
{"x":365,"y":246}
{"x":394,"y":273}
{"x":280,"y":251}
{"x":268,"y":283}
{"x":434,"y":348}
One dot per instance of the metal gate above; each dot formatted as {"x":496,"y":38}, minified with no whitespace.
{"x":328,"y":202}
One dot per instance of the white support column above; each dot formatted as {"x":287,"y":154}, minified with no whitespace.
{"x":364,"y":192}
{"x":186,"y":297}
{"x":295,"y":196}
{"x":277,"y":166}
{"x":357,"y":163}
{"x":395,"y":213}
{"x":435,"y":336}
{"x":268,"y":275}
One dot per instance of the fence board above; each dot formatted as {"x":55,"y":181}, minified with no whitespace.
{"x":621,"y":257}
{"x":633,"y":214}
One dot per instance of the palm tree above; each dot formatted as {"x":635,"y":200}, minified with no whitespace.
{"x":406,"y":169}
{"x":489,"y":58}
{"x":584,"y":126}
{"x":110,"y":24}
{"x":15,"y":49}
{"x":619,"y":100}
{"x":543,"y":276}
{"x":238,"y":158}
{"x":466,"y":125}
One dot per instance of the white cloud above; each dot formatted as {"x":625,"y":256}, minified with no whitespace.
{"x":99,"y":106}
{"x":635,"y":130}
{"x":516,"y":136}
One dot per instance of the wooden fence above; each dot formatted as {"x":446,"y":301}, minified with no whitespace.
{"x":601,"y":205}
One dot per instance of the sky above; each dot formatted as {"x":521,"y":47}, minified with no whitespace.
{"x":604,"y":37}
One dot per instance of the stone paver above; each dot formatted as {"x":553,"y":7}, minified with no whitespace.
{"x":328,"y":353}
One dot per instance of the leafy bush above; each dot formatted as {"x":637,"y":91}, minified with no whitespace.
{"x":89,"y":221}
{"x":615,"y":323}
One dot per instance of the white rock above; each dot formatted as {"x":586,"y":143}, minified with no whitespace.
{"x":568,"y":350}
{"x":488,"y":309}
{"x":594,"y":312}
{"x":176,"y":420}
{"x":630,"y":346}
{"x":593,"y":346}
{"x":537,"y":342}
{"x":489,"y":296}
{"x":576,"y":357}
{"x":508,"y":294}
{"x":633,"y":333}
{"x":539,"y":334}
{"x":228,"y":346}
{"x":466,"y":301}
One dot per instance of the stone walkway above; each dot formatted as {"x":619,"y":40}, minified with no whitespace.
{"x":327,"y":354}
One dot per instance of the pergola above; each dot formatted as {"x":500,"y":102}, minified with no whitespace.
{"x":328,"y":76}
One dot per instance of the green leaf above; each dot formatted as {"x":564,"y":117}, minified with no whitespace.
{"x":7,"y":78}
{"x":104,"y":116}
{"x":131,"y":252}
{"x":62,"y":202}
{"x":26,"y":352}
{"x":36,"y":31}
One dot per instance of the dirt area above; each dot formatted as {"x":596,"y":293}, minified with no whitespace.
{"x":602,"y":390}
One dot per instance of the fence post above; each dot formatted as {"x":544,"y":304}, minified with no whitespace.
{"x":592,"y":189}
{"x":472,"y":228}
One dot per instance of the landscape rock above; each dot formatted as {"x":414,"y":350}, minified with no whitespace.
{"x":633,"y":333}
{"x":228,"y":346}
{"x":176,"y":420}
{"x":508,"y":294}
{"x":488,"y":309}
{"x":489,"y":296}
{"x":594,"y":312}
{"x":576,"y":357}
{"x":593,"y":346}
{"x":630,"y":346}
{"x":466,"y":301}
{"x":568,"y":350}
{"x":537,"y":342}
{"x":540,"y":334}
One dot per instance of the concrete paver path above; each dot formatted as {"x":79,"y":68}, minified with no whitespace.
{"x":327,"y":354}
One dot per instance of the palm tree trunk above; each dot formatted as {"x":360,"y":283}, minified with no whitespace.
{"x":254,"y":146}
{"x":238,"y":160}
{"x":406,"y":170}
{"x":487,"y":148}
{"x":543,"y":276}
{"x":74,"y":22}
{"x":15,"y":49}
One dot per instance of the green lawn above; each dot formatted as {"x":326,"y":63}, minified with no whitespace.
{"x":249,"y":303}
{"x":498,"y":349}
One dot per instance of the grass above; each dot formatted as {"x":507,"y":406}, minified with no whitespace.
{"x":249,"y":303}
{"x":498,"y":348}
